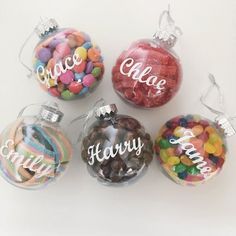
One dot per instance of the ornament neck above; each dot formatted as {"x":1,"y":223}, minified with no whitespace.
{"x":167,"y":32}
{"x":46,"y":27}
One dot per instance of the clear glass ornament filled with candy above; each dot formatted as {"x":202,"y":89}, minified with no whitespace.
{"x":191,"y":148}
{"x":66,"y":63}
{"x":115,"y":147}
{"x":148,"y":74}
{"x":34,"y":151}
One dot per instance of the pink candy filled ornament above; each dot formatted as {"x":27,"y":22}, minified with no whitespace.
{"x":65,"y":61}
{"x":148,"y":73}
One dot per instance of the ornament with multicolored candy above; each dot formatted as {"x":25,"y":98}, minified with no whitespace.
{"x":148,"y":74}
{"x":34,"y":150}
{"x":191,"y":149}
{"x":66,"y":63}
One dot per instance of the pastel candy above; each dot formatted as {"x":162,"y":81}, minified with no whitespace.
{"x":67,"y":95}
{"x":72,"y":41}
{"x":44,"y":55}
{"x":54,"y":43}
{"x":88,"y":80}
{"x":38,"y":63}
{"x":83,"y":91}
{"x":96,"y":72}
{"x":94,"y":54}
{"x":62,"y":50}
{"x":80,"y":68}
{"x":89,"y":67}
{"x":81,"y":53}
{"x":80,"y":39}
{"x":67,"y":77}
{"x":87,"y":45}
{"x":75,"y":87}
{"x":79,"y":76}
{"x":54,"y":92}
{"x":51,"y":64}
{"x":52,"y":82}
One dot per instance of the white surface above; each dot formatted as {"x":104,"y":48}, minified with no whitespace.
{"x":77,"y":204}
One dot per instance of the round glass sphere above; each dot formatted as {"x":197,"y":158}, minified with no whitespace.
{"x":146,"y":75}
{"x":117,"y":149}
{"x":33,"y":153}
{"x":191,"y":149}
{"x":67,"y":64}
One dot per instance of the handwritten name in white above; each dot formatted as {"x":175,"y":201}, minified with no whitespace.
{"x":112,"y":151}
{"x":27,"y":163}
{"x":58,"y":69}
{"x":135,"y":69}
{"x":192,"y":153}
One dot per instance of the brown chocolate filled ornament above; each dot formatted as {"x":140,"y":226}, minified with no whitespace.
{"x":116,"y":147}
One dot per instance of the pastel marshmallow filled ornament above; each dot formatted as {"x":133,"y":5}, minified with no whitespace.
{"x":148,"y":74}
{"x":63,"y":57}
{"x":191,"y":148}
{"x":116,"y":148}
{"x":34,"y":150}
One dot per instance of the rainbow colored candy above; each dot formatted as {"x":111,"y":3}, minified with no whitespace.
{"x":33,"y":140}
{"x":184,"y":158}
{"x":54,"y":66}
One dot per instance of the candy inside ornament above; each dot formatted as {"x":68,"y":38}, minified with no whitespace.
{"x":66,"y":62}
{"x":148,"y":74}
{"x":33,"y":149}
{"x":191,"y":149}
{"x":116,"y":147}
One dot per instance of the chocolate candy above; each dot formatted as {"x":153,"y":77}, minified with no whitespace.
{"x":191,"y":149}
{"x":67,"y":56}
{"x":116,"y":148}
{"x":146,"y":74}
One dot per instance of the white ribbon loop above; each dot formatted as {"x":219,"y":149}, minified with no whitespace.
{"x":222,"y":119}
{"x":167,"y":32}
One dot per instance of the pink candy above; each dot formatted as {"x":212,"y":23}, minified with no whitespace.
{"x":62,"y":50}
{"x":67,"y":77}
{"x":88,"y":80}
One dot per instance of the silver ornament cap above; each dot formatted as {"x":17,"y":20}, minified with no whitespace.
{"x":165,"y":39}
{"x":46,"y":27}
{"x":106,"y":111}
{"x":224,"y":123}
{"x":50,"y":112}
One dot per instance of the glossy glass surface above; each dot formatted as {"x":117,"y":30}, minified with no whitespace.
{"x":117,"y":150}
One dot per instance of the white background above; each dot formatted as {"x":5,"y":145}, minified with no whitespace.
{"x":77,"y":204}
